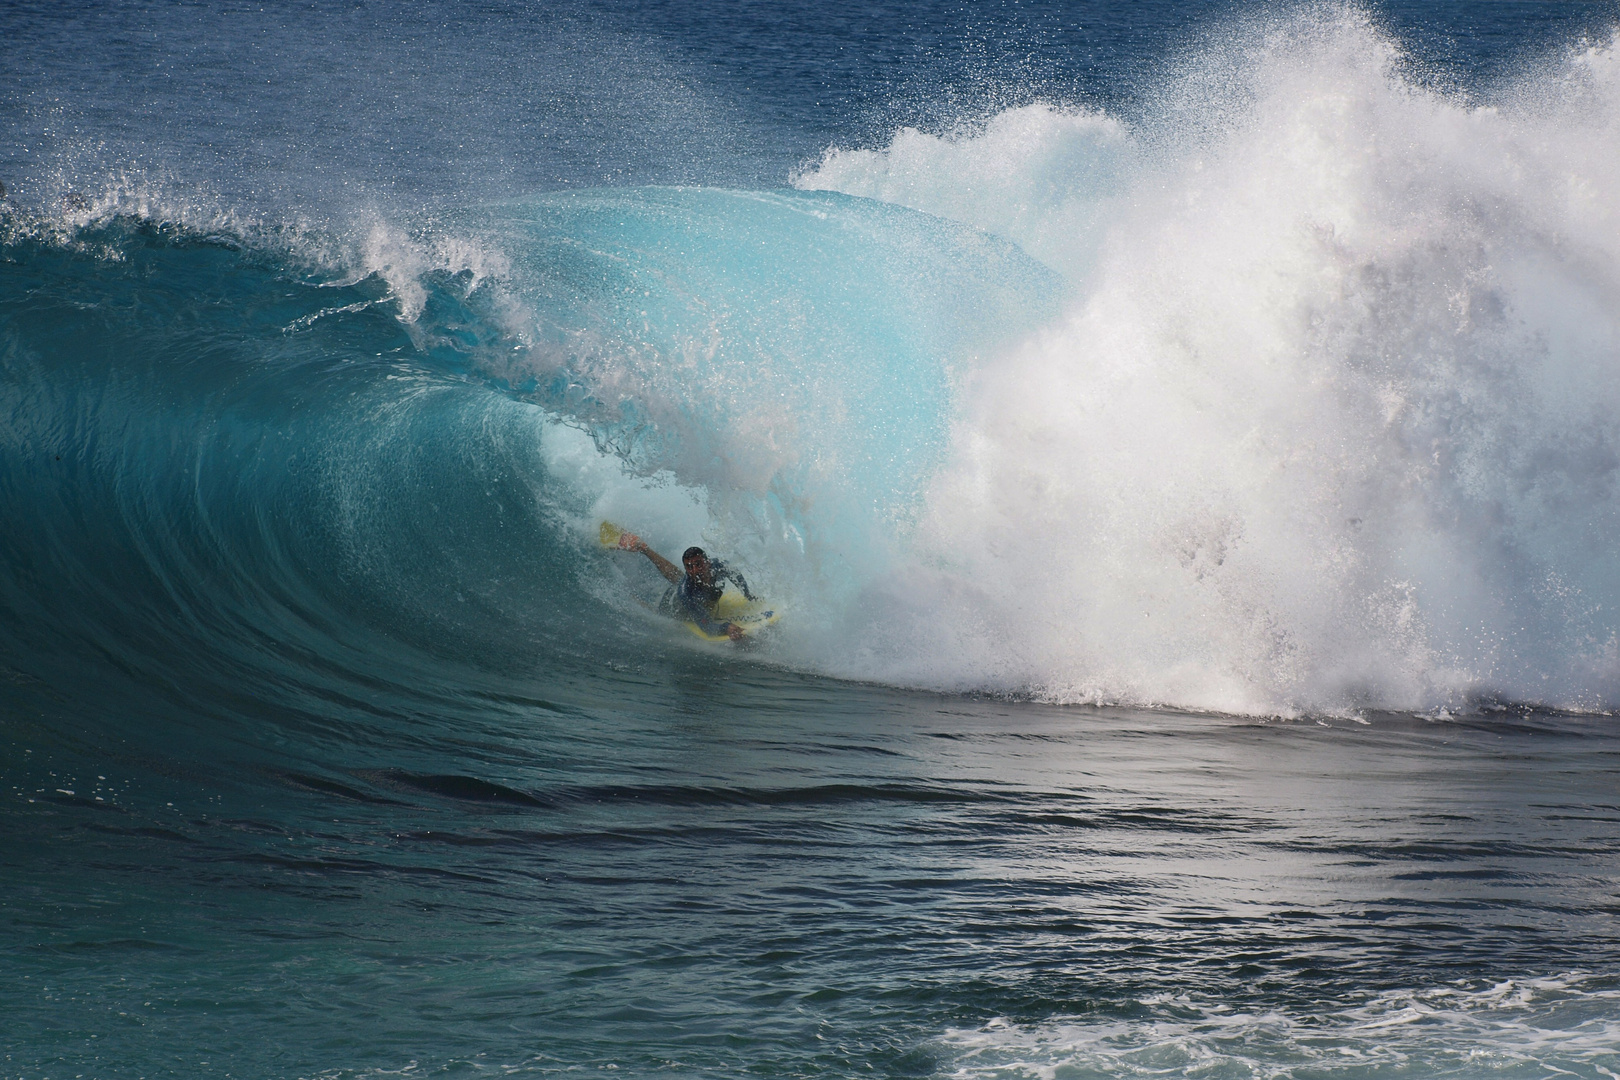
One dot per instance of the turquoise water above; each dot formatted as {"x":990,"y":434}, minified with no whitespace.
{"x":1181,"y":439}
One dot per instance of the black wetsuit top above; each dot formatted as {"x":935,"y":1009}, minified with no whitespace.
{"x":691,"y":600}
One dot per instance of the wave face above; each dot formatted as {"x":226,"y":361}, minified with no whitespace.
{"x":236,"y":479}
{"x":242,"y":451}
{"x":1294,"y":392}
{"x":1330,"y":419}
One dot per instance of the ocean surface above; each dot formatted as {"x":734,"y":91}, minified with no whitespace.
{"x":1183,"y":440}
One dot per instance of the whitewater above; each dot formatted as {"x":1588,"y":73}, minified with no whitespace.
{"x":1184,"y":447}
{"x":1329,"y":418}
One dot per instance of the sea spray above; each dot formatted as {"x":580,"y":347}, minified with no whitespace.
{"x":1331,"y":421}
{"x":1041,"y":175}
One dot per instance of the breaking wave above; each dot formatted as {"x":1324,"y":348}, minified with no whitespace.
{"x":1296,"y":391}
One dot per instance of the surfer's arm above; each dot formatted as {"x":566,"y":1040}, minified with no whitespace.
{"x":632,"y":542}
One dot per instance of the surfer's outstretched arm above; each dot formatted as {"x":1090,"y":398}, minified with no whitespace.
{"x":632,"y":542}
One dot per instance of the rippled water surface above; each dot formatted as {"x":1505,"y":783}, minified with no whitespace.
{"x":769,"y":875}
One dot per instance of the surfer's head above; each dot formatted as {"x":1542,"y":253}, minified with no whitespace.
{"x":697,"y":565}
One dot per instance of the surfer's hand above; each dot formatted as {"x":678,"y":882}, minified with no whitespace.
{"x":629,"y":541}
{"x":734,"y":632}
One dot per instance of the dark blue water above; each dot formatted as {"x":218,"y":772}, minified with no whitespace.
{"x":1180,"y":437}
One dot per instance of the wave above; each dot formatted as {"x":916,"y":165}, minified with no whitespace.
{"x":299,"y":465}
{"x":1294,"y":392}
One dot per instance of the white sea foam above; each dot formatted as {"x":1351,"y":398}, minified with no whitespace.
{"x":1536,"y":1027}
{"x":1332,"y":420}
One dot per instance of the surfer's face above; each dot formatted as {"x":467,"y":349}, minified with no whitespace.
{"x":699,"y":570}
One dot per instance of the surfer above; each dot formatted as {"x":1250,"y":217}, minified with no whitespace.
{"x":696,"y":591}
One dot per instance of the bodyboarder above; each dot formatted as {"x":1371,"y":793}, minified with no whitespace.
{"x":695,"y":592}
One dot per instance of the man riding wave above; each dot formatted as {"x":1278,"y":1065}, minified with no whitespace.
{"x":698,"y":590}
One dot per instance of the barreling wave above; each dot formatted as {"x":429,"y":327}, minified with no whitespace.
{"x":285,"y":464}
{"x":1296,"y":392}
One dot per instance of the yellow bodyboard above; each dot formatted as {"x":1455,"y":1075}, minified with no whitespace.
{"x":752,"y":615}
